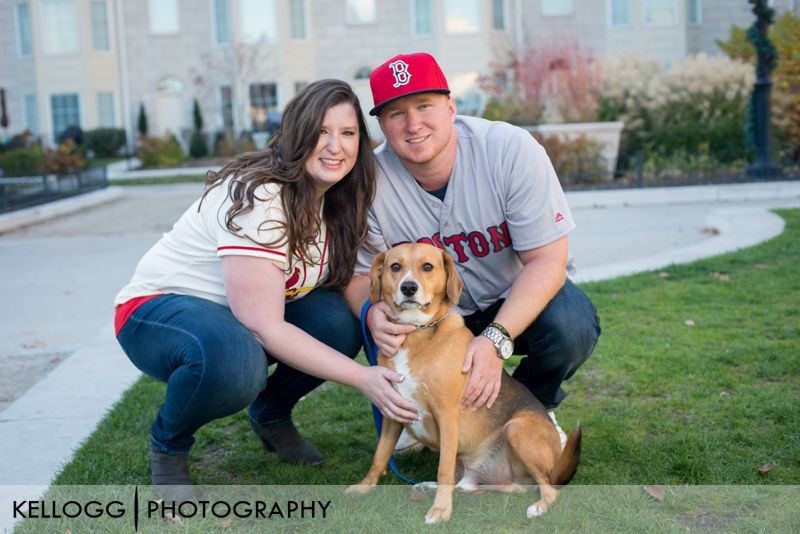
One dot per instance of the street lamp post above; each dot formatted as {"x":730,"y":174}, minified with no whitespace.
{"x":760,"y":113}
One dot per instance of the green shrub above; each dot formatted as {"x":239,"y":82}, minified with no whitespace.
{"x":246,"y":143}
{"x":68,"y":157}
{"x":575,"y":160}
{"x":223,"y":146}
{"x":160,"y":152}
{"x":105,"y":142}
{"x":22,"y":161}
{"x":198,"y":148}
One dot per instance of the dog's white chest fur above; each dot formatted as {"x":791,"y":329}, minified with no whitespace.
{"x":408,"y":388}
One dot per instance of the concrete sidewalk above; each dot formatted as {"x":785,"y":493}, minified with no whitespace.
{"x":92,"y":254}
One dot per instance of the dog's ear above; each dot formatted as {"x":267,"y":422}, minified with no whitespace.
{"x":375,"y":277}
{"x":454,"y":284}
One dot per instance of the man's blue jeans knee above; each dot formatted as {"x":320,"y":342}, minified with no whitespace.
{"x":561,"y":338}
{"x":214,"y":367}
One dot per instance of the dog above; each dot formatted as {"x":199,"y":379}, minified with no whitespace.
{"x":510,"y":445}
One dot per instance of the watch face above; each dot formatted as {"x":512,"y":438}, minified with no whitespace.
{"x":506,"y":348}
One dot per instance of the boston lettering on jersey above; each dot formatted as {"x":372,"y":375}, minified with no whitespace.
{"x":494,"y":239}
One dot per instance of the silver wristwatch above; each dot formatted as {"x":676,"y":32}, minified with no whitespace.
{"x":503,"y":343}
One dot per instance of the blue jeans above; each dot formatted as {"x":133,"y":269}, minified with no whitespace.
{"x":561,"y":338}
{"x":214,"y":367}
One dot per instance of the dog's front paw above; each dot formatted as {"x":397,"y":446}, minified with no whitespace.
{"x":437,"y":514}
{"x":359,"y":489}
{"x":537,"y":509}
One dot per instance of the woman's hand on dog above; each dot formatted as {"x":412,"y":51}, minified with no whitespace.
{"x":377,"y":385}
{"x":485,"y":370}
{"x":388,"y":335}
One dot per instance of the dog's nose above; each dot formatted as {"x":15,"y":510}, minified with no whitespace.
{"x":408,"y":288}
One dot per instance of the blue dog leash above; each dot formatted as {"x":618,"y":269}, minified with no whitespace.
{"x":372,"y":356}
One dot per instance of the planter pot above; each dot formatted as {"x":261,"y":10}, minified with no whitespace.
{"x":605,"y":133}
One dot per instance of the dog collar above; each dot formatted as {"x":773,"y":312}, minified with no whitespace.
{"x":434,"y":323}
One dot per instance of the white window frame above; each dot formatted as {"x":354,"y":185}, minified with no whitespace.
{"x":276,"y":107}
{"x":113,"y":123}
{"x":215,"y":25}
{"x":504,"y":8}
{"x":548,"y":11}
{"x":272,"y":6}
{"x":698,"y":13}
{"x":62,"y":24}
{"x":675,"y":21}
{"x":465,"y":32}
{"x":611,"y":24}
{"x":306,"y":22}
{"x":413,"y":6}
{"x":31,"y":125}
{"x":108,"y":27}
{"x":349,"y":20}
{"x":50,"y":96}
{"x":151,"y":20}
{"x":18,"y":27}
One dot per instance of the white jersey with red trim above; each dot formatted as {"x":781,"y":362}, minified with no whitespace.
{"x":503,"y":196}
{"x":187,"y":259}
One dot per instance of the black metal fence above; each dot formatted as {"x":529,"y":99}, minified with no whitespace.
{"x":18,"y":192}
{"x":576,"y":173}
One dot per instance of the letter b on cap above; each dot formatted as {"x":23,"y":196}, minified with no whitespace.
{"x":400,"y":73}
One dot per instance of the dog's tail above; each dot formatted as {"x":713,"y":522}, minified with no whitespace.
{"x":567,"y":463}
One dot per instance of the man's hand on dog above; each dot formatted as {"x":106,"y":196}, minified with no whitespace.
{"x":483,"y":385}
{"x":388,"y":335}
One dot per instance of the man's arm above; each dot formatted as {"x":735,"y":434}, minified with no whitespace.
{"x":542,"y":275}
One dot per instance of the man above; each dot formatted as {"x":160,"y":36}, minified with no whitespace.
{"x":487,"y":193}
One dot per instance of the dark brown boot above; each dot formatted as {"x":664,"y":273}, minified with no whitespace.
{"x":287,"y":442}
{"x":170,"y":473}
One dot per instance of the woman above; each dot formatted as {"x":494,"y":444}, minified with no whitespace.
{"x":251,"y":274}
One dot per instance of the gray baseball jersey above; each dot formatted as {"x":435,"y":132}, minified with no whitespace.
{"x":503,"y":196}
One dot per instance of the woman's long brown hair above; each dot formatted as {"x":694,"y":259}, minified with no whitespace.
{"x":283,"y":162}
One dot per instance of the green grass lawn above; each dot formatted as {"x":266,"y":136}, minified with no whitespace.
{"x":695,"y":381}
{"x":175,"y":179}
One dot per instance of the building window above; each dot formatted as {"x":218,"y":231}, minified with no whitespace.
{"x":100,"y":40}
{"x":24,"y":29}
{"x":360,"y":11}
{"x":499,"y":15}
{"x":226,"y":103}
{"x":556,"y":7}
{"x":695,"y":12}
{"x":298,"y":15}
{"x":164,"y":16}
{"x":299,"y":86}
{"x":660,"y":12}
{"x":66,"y":112}
{"x":421,"y":17}
{"x":620,"y":13}
{"x":263,"y":100}
{"x":462,"y":16}
{"x":105,"y":110}
{"x":31,"y":114}
{"x":59,"y":27}
{"x":362,"y":73}
{"x":259,"y":20}
{"x":222,"y":34}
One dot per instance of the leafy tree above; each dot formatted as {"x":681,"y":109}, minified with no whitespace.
{"x":142,"y":122}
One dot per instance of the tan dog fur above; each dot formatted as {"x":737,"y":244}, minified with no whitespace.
{"x":512,"y":444}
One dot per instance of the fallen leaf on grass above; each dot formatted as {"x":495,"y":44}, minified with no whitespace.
{"x":764,"y":469}
{"x":656,"y":492}
{"x":688,"y":322}
{"x":418,"y":497}
{"x":228,"y":523}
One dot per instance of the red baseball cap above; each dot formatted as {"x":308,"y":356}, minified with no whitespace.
{"x":404,"y":75}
